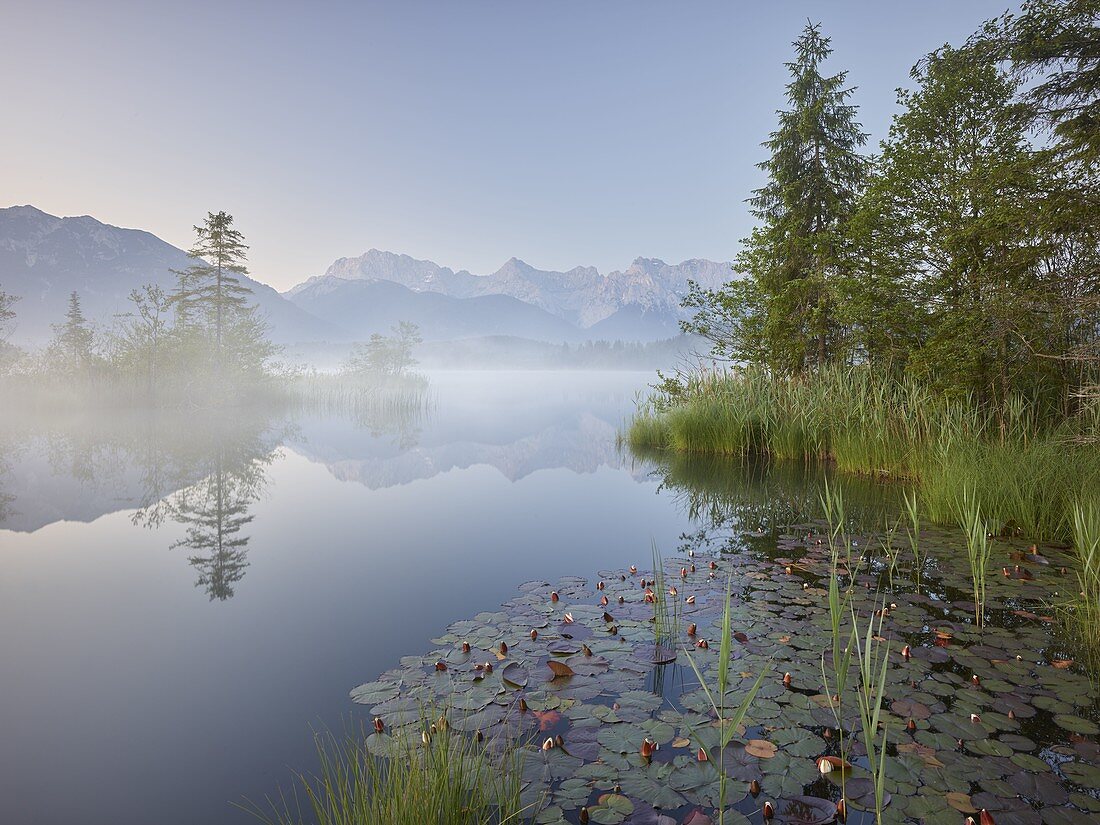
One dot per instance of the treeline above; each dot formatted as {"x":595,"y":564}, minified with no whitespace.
{"x":964,"y":252}
{"x":201,"y":343}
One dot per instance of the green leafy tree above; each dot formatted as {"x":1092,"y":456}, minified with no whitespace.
{"x":390,"y":355}
{"x":798,"y":253}
{"x":144,"y":331}
{"x":7,"y":315}
{"x":952,"y":215}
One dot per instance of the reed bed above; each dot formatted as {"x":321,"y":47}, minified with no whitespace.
{"x":438,"y":778}
{"x":1025,"y":467}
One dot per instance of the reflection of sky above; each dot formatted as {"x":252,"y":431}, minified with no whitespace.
{"x":108,"y":647}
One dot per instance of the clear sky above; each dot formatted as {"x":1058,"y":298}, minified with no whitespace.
{"x":563,"y":133}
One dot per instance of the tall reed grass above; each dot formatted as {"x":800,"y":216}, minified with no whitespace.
{"x":1026,"y":468}
{"x":1085,"y":607}
{"x":441,"y":778}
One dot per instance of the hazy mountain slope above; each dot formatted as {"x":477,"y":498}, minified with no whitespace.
{"x":366,"y":306}
{"x":43,"y":258}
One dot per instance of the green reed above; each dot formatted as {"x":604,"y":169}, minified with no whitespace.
{"x":1085,"y":613}
{"x":1028,"y":473}
{"x":667,"y":609}
{"x":912,"y":532}
{"x":979,"y":548}
{"x":433,"y":776}
{"x":728,"y":719}
{"x":873,"y":659}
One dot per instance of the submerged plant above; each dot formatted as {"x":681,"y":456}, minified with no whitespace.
{"x":979,"y":548}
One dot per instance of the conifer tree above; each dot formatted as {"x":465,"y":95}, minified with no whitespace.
{"x":211,"y":288}
{"x":73,"y":339}
{"x":7,"y":315}
{"x":796,"y":255}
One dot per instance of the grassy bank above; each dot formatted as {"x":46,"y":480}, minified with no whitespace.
{"x":1027,"y":470}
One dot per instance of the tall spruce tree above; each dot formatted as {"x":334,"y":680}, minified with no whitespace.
{"x":815,"y":173}
{"x":210,"y":289}
{"x":73,"y":340}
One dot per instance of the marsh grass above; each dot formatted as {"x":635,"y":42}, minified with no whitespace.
{"x":979,"y":548}
{"x":442,"y":778}
{"x":873,"y":659}
{"x":667,"y":609}
{"x":728,"y":719}
{"x":1084,"y":618}
{"x":1027,"y":469}
{"x":912,"y":532}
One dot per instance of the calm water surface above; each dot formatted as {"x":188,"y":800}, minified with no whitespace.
{"x":184,"y":596}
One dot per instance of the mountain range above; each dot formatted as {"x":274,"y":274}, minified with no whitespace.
{"x":43,"y":258}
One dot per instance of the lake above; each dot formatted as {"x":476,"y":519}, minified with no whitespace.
{"x":147,"y":679}
{"x":187,"y":596}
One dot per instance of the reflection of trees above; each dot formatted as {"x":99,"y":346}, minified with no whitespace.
{"x":229,"y":458}
{"x":739,"y":503}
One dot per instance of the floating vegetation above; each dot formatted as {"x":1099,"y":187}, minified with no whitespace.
{"x":944,"y":721}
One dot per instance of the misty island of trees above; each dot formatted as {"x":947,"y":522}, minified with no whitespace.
{"x":202,"y":343}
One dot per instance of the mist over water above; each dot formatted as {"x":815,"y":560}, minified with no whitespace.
{"x":186,"y":594}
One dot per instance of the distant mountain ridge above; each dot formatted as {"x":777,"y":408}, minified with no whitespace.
{"x":650,"y":289}
{"x":43,"y":258}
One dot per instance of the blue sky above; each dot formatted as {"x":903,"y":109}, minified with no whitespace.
{"x":564,"y":133}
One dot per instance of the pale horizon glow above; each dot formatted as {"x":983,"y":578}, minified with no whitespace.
{"x":567,"y":134}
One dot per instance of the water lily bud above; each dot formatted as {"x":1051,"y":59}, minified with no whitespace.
{"x":970,"y":821}
{"x":975,"y":718}
{"x":691,"y":553}
{"x":805,"y":585}
{"x":824,"y":766}
{"x":1004,"y":572}
{"x":441,"y":665}
{"x":769,"y":811}
{"x":1019,"y":658}
{"x":522,"y":705}
{"x":975,"y":679}
{"x":548,"y":745}
{"x":827,"y":733}
{"x":441,"y":723}
{"x":1012,"y":714}
{"x":465,"y":647}
{"x":691,"y":629}
{"x":714,"y":565}
{"x":985,"y":818}
{"x":582,"y":817}
{"x":786,"y":679}
{"x":534,"y":634}
{"x":842,"y":811}
{"x":613,"y":630}
{"x":672,"y":591}
{"x":648,"y":747}
{"x":559,"y":741}
{"x":586,"y":650}
{"x":554,"y":596}
{"x":603,"y":601}
{"x":683,"y":572}
{"x":607,"y":617}
{"x":488,"y":667}
{"x":479,"y":736}
{"x":701,"y":756}
{"x":754,"y":788}
{"x":503,"y":648}
{"x":689,"y":600}
{"x":425,"y":737}
{"x":906,"y":653}
{"x":649,"y":598}
{"x":910,"y":726}
{"x":599,"y":585}
{"x":693,"y":567}
{"x":379,"y":725}
{"x":633,"y":569}
{"x":568,"y":618}
{"x":621,"y":599}
{"x":789,"y":570}
{"x":622,"y":578}
{"x":702,"y":644}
